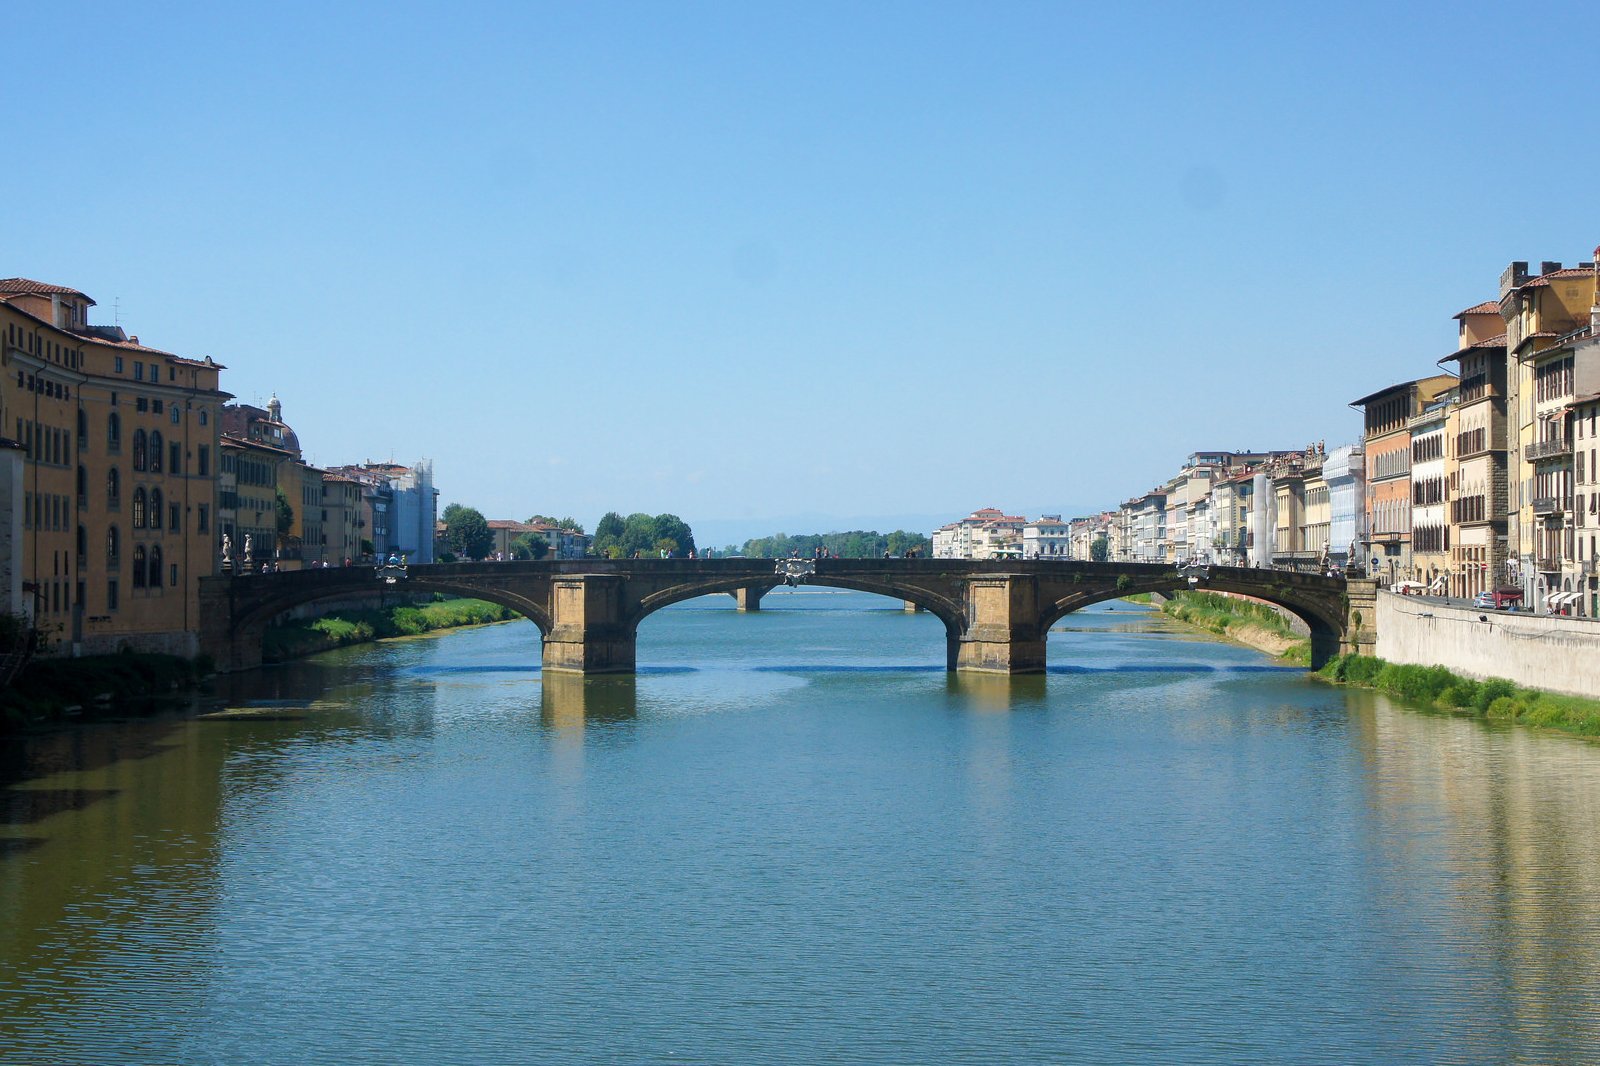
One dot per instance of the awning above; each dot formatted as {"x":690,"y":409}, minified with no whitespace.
{"x":1561,"y":599}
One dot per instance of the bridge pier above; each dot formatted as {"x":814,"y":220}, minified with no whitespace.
{"x":1361,"y":621}
{"x":1003,"y":635}
{"x":590,"y":633}
{"x":911,"y":608}
{"x":749,"y":599}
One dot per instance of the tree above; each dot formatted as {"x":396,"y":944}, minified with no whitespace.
{"x":608,"y":536}
{"x":530,"y":546}
{"x":1099,"y":549}
{"x":285,"y":516}
{"x":466,"y":531}
{"x":560,"y":523}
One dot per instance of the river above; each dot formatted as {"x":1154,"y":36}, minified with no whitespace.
{"x":794,"y":838}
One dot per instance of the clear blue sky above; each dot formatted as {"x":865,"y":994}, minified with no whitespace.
{"x":780,"y":263}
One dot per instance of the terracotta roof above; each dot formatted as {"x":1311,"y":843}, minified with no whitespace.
{"x":1488,"y":307}
{"x":1570,"y":272}
{"x":1497,"y":341}
{"x":29,"y":287}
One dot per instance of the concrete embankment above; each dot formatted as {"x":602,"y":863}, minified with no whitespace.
{"x":1555,"y":654}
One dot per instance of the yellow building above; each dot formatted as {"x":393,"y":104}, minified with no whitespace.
{"x":247,"y":499}
{"x":1476,"y":463}
{"x":118,"y":488}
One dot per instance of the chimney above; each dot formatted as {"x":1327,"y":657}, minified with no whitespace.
{"x":1513,"y":276}
{"x":1594,"y":308}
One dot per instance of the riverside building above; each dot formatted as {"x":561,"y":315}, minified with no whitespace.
{"x":1386,"y":442}
{"x":1478,"y":447}
{"x":1548,"y":318}
{"x":114,"y":499}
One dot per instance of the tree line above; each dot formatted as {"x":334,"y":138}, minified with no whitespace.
{"x":855,"y":544}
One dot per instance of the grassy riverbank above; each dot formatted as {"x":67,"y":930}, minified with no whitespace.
{"x":341,"y":628}
{"x":1496,"y":699}
{"x":1245,"y":621}
{"x":51,"y":690}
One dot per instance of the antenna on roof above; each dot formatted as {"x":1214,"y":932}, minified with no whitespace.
{"x":116,"y":311}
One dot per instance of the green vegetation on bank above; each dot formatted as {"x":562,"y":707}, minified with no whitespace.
{"x":1243,"y":620}
{"x":855,"y":544}
{"x":294,"y":639}
{"x":1496,"y":698}
{"x":48,"y":690}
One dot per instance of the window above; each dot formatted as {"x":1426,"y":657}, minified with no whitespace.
{"x":175,"y":518}
{"x":141,"y":404}
{"x":174,"y":581}
{"x":156,"y":510}
{"x":138,"y":508}
{"x":139,"y":564}
{"x":111,"y":589}
{"x":174,"y":414}
{"x":204,"y":416}
{"x":175,"y":466}
{"x":83,"y":546}
{"x":202,"y":518}
{"x":155,"y":406}
{"x":155,"y":451}
{"x":114,"y":432}
{"x":203,"y":466}
{"x":119,"y":364}
{"x":113,"y":548}
{"x":113,"y":488}
{"x":138,"y":371}
{"x":155,"y":566}
{"x":83,"y":430}
{"x":141,"y":450}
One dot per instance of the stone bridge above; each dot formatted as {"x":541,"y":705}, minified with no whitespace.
{"x":996,"y":613}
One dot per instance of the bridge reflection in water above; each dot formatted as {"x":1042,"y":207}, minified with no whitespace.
{"x":997,"y":613}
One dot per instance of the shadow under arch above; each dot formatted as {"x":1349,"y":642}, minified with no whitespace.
{"x":951,"y":614}
{"x":1325,"y":631}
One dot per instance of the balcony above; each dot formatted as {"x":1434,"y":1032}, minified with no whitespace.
{"x":1547,"y":565}
{"x":1548,"y":449}
{"x":1548,"y":505}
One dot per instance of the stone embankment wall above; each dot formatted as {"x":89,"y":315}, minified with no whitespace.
{"x":1557,"y":654}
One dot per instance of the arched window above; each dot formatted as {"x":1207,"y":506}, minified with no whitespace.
{"x":83,"y":482}
{"x":113,"y":488}
{"x":141,"y":452}
{"x":155,"y":566}
{"x":138,"y":508}
{"x":155,"y":450}
{"x":113,"y":548}
{"x":156,"y":512}
{"x":114,"y":432}
{"x":138,"y":566}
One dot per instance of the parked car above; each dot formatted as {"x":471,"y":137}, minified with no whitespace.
{"x":1498,"y":600}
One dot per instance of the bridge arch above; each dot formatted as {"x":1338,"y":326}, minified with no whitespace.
{"x":266,"y":598}
{"x":1326,"y":628}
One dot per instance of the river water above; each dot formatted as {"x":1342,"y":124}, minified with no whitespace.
{"x":794,"y":838}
